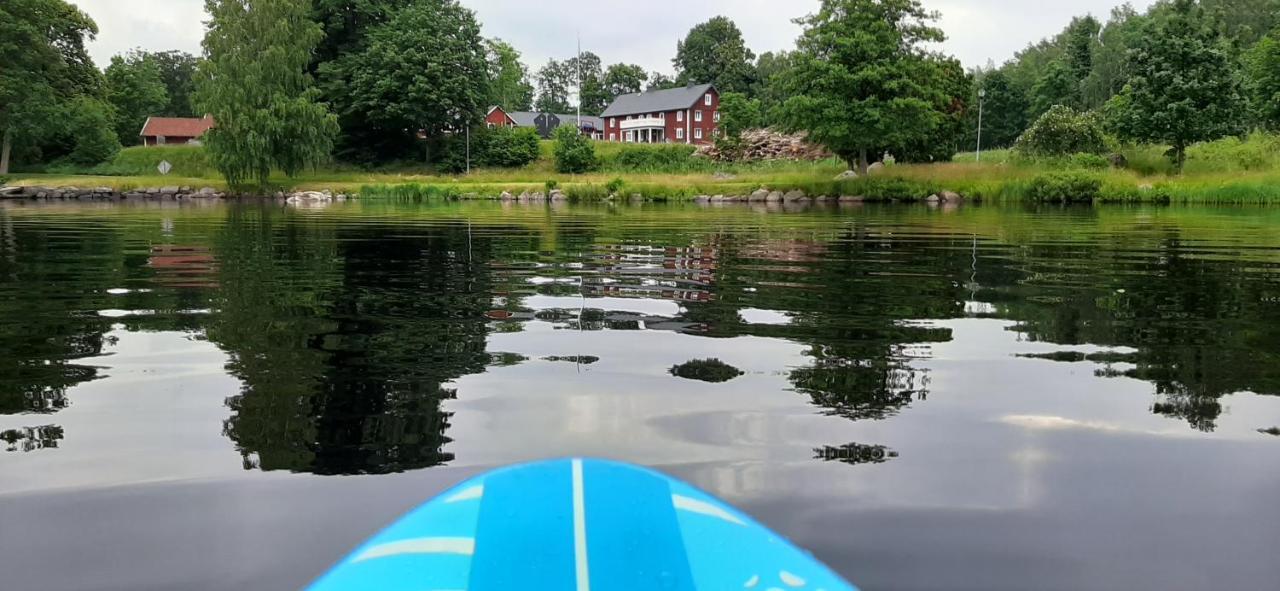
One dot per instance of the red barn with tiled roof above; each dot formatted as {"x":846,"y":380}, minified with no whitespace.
{"x":160,"y":131}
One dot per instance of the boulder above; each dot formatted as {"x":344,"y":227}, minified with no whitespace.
{"x":793,"y":195}
{"x":875,"y":168}
{"x":206,"y":191}
{"x":169,"y":190}
{"x":10,"y":191}
{"x":758,"y":195}
{"x":847,"y":175}
{"x":774,"y":197}
{"x":702,"y":199}
{"x":557,"y":195}
{"x":506,"y":196}
{"x":950,"y":196}
{"x":932,"y":199}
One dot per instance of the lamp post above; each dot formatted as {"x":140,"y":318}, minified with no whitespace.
{"x":982,"y":94}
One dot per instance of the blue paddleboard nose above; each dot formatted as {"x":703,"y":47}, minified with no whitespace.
{"x":578,"y":525}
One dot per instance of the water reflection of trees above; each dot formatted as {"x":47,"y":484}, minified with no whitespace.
{"x":1202,"y":323}
{"x":346,"y":340}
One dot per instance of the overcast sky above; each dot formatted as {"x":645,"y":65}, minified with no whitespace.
{"x":644,"y":32}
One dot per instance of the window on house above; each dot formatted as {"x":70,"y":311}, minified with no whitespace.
{"x":697,"y":116}
{"x":628,"y":136}
{"x":613,"y":122}
{"x":697,"y":133}
{"x":679,"y":133}
{"x":716,"y":117}
{"x":613,"y":137}
{"x":680,"y":116}
{"x":706,"y":100}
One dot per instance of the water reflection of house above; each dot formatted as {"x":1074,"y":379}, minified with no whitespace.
{"x":677,"y":273}
{"x":183,"y":266}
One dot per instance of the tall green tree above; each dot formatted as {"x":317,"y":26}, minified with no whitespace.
{"x":347,"y":25}
{"x":1109,"y":73}
{"x":43,"y":63}
{"x":588,"y":80}
{"x":509,"y":85}
{"x":555,"y":79}
{"x":1184,"y":86}
{"x":1263,"y":65}
{"x":770,"y":87}
{"x":620,"y":79}
{"x":178,"y":72}
{"x":1004,"y":112}
{"x":859,"y":83}
{"x":136,"y":91}
{"x":660,"y":81}
{"x":254,"y":82}
{"x":714,"y":52}
{"x":425,"y":72}
{"x":91,"y":127}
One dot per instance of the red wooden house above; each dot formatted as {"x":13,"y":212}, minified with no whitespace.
{"x":160,"y":131}
{"x":684,"y":115}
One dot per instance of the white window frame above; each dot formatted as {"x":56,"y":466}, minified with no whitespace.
{"x":679,"y":133}
{"x":628,"y":136}
{"x":613,"y":137}
{"x":706,"y":100}
{"x":613,"y":122}
{"x":680,"y":116}
{"x":697,"y":133}
{"x":697,"y":116}
{"x":716,"y":116}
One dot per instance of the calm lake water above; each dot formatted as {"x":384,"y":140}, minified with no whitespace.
{"x":232,"y":396}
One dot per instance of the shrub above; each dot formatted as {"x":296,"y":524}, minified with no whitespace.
{"x":1063,"y":131}
{"x":551,"y":185}
{"x":507,"y":147}
{"x":4,"y":180}
{"x":574,"y":152}
{"x":1088,"y":161}
{"x":615,"y":186}
{"x":95,"y":138}
{"x":1065,"y":187}
{"x":657,"y":157}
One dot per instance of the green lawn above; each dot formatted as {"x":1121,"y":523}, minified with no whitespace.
{"x":1227,"y":171}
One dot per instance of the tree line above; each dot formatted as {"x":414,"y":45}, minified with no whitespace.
{"x":382,"y":81}
{"x":1182,"y":72}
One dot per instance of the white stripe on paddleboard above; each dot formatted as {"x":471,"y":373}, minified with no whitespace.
{"x":462,"y":546}
{"x":580,"y":528}
{"x":470,"y":494}
{"x":704,"y":508}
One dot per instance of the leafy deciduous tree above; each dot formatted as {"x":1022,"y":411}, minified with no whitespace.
{"x":857,"y":85}
{"x":255,"y":84}
{"x":509,"y":85}
{"x":573,"y":152}
{"x":1004,"y":110}
{"x":1263,"y":63}
{"x":1183,"y":86}
{"x":423,"y":72}
{"x":42,"y":49}
{"x":620,"y":79}
{"x":177,"y":71}
{"x":1063,"y":131}
{"x":136,"y":91}
{"x":554,"y":81}
{"x":714,"y":52}
{"x":660,"y":81}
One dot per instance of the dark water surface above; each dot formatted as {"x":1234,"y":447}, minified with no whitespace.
{"x":231,"y":397}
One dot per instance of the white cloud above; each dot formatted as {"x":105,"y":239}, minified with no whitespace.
{"x":625,"y":31}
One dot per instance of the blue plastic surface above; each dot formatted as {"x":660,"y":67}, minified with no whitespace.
{"x":577,"y":525}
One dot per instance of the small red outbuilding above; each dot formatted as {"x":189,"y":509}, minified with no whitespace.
{"x":160,"y":131}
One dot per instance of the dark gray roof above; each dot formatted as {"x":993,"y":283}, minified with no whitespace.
{"x":656,"y":101}
{"x":526,"y":119}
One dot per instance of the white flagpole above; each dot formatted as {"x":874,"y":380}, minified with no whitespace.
{"x":579,"y":82}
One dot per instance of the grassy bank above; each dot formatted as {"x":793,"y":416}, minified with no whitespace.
{"x":1232,"y":171}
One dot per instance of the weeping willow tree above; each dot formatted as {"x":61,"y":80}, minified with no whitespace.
{"x":254,"y":82}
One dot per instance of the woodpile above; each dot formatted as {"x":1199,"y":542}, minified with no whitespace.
{"x":769,"y":144}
